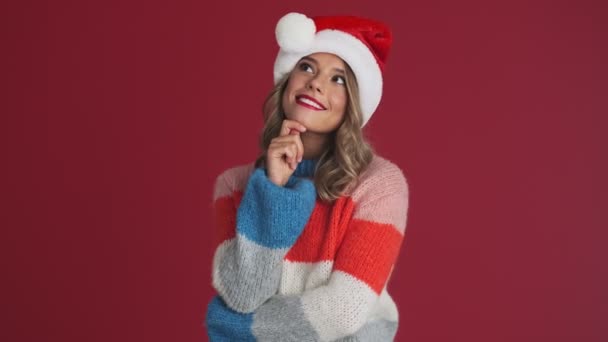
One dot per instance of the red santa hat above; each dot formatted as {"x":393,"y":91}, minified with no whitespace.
{"x":362,"y":43}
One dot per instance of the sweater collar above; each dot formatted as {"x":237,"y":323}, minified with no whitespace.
{"x":306,"y":168}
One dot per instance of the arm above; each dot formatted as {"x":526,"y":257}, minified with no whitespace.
{"x":257,"y":235}
{"x":360,"y":272}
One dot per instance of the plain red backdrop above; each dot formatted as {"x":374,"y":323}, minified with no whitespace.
{"x":117,"y":116}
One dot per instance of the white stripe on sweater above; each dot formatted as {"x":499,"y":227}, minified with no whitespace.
{"x":298,"y":277}
{"x":246,"y":274}
{"x":340,"y":308}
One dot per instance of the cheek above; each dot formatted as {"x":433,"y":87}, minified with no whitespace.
{"x":339,"y":101}
{"x":285,"y":97}
{"x":292,"y":84}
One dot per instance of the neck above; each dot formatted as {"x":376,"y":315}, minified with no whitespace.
{"x":314,"y":144}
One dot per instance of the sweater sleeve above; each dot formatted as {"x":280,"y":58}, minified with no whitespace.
{"x":256,"y":234}
{"x":360,"y":273}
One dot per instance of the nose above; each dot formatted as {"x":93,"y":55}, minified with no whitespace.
{"x":315,"y":84}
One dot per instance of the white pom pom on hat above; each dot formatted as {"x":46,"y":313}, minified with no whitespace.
{"x":362,"y":43}
{"x":295,"y":32}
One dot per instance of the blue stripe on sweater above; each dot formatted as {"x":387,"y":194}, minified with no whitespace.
{"x":274,"y":216}
{"x":226,"y":325}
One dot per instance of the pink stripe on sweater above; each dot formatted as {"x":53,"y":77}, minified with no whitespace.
{"x":232,"y":180}
{"x":382,"y":195}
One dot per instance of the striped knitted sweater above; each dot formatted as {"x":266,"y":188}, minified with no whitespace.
{"x":289,"y":267}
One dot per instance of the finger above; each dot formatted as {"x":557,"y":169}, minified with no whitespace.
{"x":290,"y":157}
{"x":286,"y":152}
{"x":286,"y":139}
{"x":296,"y":154}
{"x":288,"y":149}
{"x":299,"y":147}
{"x":297,"y":141}
{"x":281,"y":150}
{"x":288,"y":125}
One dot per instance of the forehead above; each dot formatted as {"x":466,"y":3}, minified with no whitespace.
{"x":326,"y":59}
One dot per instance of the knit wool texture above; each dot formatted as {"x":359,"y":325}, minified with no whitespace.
{"x":289,"y":267}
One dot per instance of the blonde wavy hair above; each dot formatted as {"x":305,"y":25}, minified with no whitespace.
{"x":348,"y":153}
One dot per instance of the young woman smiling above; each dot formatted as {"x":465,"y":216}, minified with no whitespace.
{"x":310,"y":232}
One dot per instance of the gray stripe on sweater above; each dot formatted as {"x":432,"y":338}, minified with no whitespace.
{"x":282,"y":319}
{"x":374,"y":331}
{"x":249,"y":273}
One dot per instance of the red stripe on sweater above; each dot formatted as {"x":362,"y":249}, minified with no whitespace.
{"x":368,"y":252}
{"x":323,"y":233}
{"x":225,"y":216}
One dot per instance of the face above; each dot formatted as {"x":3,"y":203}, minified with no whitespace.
{"x":315,"y":94}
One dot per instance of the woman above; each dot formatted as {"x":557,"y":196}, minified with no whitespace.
{"x":310,"y":232}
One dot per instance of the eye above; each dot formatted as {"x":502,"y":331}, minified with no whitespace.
{"x":305,"y":67}
{"x":339,"y":80}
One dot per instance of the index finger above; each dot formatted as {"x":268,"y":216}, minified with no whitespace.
{"x":288,"y":125}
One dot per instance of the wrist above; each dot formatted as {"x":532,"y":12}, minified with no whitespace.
{"x":276,"y":180}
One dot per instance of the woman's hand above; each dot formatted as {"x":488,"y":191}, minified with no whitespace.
{"x":285,"y":152}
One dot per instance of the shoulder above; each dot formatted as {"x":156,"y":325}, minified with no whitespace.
{"x":381,"y":177}
{"x":382,"y":193}
{"x":232,"y":180}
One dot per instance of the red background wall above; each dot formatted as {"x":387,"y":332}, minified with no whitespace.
{"x":117,"y":117}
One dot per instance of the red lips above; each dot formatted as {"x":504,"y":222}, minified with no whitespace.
{"x":309,"y":102}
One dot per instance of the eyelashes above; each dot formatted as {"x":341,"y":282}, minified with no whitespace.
{"x":303,"y":66}
{"x":339,"y":80}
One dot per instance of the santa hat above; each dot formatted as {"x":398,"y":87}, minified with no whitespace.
{"x":362,"y":43}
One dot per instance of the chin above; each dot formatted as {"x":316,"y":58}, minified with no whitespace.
{"x":303,"y":117}
{"x":310,"y":126}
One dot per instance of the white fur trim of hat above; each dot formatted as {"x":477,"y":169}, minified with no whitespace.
{"x":363,"y":44}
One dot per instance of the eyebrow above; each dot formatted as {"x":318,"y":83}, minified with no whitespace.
{"x":308,"y":58}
